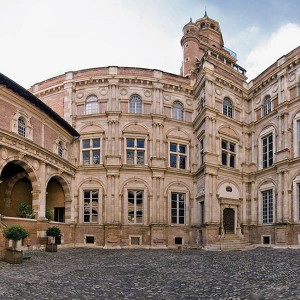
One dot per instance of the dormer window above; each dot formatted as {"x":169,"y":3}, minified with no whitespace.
{"x":135,"y":104}
{"x":177,"y":110}
{"x":21,"y":126}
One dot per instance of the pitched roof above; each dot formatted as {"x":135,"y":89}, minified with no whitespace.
{"x":15,"y":87}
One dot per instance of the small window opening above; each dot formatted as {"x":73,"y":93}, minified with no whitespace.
{"x":266,"y":240}
{"x":178,"y":240}
{"x":135,"y":240}
{"x":89,"y":239}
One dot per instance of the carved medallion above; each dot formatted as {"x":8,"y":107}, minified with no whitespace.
{"x":167,"y":97}
{"x":4,"y":154}
{"x":275,"y":88}
{"x":103,"y":91}
{"x":79,"y":95}
{"x":218,"y":92}
{"x":147,"y":93}
{"x":292,"y":77}
{"x":123,"y":92}
{"x":189,"y":102}
{"x":36,"y":165}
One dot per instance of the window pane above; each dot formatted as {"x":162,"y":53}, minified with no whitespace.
{"x":232,"y":161}
{"x":85,"y":144}
{"x":224,"y":159}
{"x":182,"y":162}
{"x":224,"y":145}
{"x":173,"y":160}
{"x":130,"y":157}
{"x":96,"y":143}
{"x":140,"y":143}
{"x":140,"y":157}
{"x":232,"y":146}
{"x":96,"y":157}
{"x":130,"y":143}
{"x":182,"y":148}
{"x":173,"y":147}
{"x":86,"y":157}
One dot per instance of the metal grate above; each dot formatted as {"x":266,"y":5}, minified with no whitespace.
{"x":135,"y":240}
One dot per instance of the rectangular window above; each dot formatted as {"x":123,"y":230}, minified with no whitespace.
{"x":177,"y":208}
{"x":228,"y":154}
{"x":90,"y":206}
{"x":91,"y":151}
{"x":135,"y":207}
{"x":135,"y":151}
{"x":178,"y":156}
{"x":298,"y":137}
{"x":267,"y":203}
{"x":202,"y":213}
{"x":298,"y":190}
{"x":267,"y":150}
{"x":201,"y":151}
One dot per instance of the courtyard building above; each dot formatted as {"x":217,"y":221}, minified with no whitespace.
{"x":131,"y":157}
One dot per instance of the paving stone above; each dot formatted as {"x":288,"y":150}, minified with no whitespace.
{"x":82,"y":273}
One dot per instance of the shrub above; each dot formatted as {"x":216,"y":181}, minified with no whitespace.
{"x":25,"y":211}
{"x":15,"y":233}
{"x":53,"y":231}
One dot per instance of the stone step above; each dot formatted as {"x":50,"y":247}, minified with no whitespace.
{"x":230,"y":242}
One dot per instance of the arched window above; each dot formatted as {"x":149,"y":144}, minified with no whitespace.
{"x":267,"y":105}
{"x":60,"y":149}
{"x":227,"y":107}
{"x":135,"y":105}
{"x":21,"y":127}
{"x":177,"y":110}
{"x":91,"y":106}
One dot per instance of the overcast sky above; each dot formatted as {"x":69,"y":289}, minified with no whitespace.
{"x":45,"y":38}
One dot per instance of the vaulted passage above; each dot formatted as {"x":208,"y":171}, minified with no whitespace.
{"x":15,"y":191}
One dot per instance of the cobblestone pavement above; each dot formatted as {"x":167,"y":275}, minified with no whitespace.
{"x":153,"y":274}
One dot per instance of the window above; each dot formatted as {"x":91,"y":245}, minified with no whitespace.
{"x":177,"y":110}
{"x":267,"y":105}
{"x":201,"y":151}
{"x":178,"y":156}
{"x":298,"y":91}
{"x":91,"y":106}
{"x":298,"y":137}
{"x":21,"y":127}
{"x":60,"y":149}
{"x":135,"y":207}
{"x":135,"y":151}
{"x":91,"y":151}
{"x":177,"y":208}
{"x":298,"y":194}
{"x":90,"y":206}
{"x":267,"y":150}
{"x":227,"y":108}
{"x":135,"y":105}
{"x":267,"y":202}
{"x":202,"y":213}
{"x":228,"y":153}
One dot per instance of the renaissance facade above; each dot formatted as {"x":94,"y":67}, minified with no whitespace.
{"x":132,"y":157}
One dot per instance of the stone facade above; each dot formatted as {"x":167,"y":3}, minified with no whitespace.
{"x":160,"y":160}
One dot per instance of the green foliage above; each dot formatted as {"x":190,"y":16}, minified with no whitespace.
{"x":15,"y":233}
{"x":25,"y":211}
{"x":49,"y":213}
{"x":53,"y":231}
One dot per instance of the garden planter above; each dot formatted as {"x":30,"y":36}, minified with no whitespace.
{"x":13,"y":256}
{"x":51,"y":248}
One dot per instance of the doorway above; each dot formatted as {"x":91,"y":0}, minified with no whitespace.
{"x":228,"y":220}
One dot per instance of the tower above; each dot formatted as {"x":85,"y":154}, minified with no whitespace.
{"x":203,"y":35}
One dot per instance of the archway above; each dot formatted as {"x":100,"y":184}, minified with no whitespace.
{"x":55,"y":200}
{"x":15,"y":191}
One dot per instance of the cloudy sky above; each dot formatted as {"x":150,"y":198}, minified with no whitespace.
{"x":44,"y":38}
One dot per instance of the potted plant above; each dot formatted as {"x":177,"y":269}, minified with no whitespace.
{"x":14,"y":233}
{"x":26,"y":211}
{"x":52,"y":232}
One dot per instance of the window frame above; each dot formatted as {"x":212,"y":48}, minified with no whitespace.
{"x":91,"y":206}
{"x":91,"y":105}
{"x":201,"y":151}
{"x":268,"y":206}
{"x":267,"y":105}
{"x":91,"y":149}
{"x":178,"y":110}
{"x":21,"y":126}
{"x":228,"y":153}
{"x":135,"y":104}
{"x":178,"y":154}
{"x":135,"y":149}
{"x":60,"y":149}
{"x":268,"y":154}
{"x":228,"y":107}
{"x":175,"y":208}
{"x":133,"y":220}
